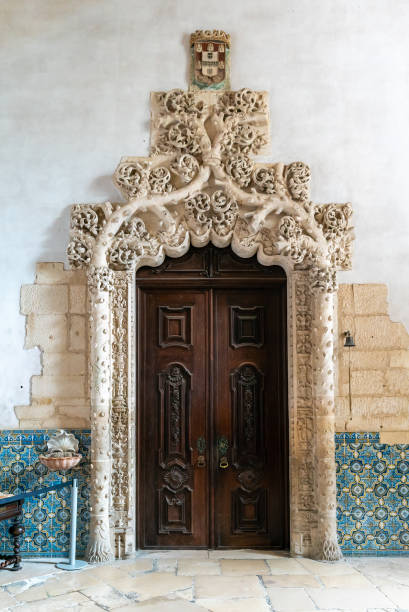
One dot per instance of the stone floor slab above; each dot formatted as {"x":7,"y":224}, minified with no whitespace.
{"x":198,"y":567}
{"x":291,"y":580}
{"x":247,"y":554}
{"x":286,"y":566}
{"x":169,"y":565}
{"x":139,"y":565}
{"x":69,"y":581}
{"x":353,"y":599}
{"x":399,"y":595}
{"x":28,"y":571}
{"x":349,"y":581}
{"x":105,"y":572}
{"x":160,"y":604}
{"x":181,"y":554}
{"x":76,"y":602}
{"x":244,"y":567}
{"x":290,"y":600}
{"x":325,"y":568}
{"x":249,"y":581}
{"x":155,"y":584}
{"x":33,"y":594}
{"x":106,"y":596}
{"x":228,"y":587}
{"x":6,"y":600}
{"x":235,"y":605}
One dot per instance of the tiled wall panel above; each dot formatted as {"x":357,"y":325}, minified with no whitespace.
{"x":373,"y":495}
{"x":46,"y":519}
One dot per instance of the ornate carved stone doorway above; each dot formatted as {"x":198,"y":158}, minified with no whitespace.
{"x":201,"y":185}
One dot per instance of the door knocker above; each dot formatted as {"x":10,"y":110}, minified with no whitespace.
{"x":201,"y":449}
{"x":223,"y":445}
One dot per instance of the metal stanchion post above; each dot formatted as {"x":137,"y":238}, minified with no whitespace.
{"x":73,"y":564}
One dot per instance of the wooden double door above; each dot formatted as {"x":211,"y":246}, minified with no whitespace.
{"x":213,"y":418}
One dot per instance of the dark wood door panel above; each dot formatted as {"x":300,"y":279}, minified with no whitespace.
{"x":210,"y":266}
{"x":173,"y":400}
{"x":212,"y":366}
{"x":250,"y":412}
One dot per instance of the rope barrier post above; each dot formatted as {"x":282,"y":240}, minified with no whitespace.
{"x":73,"y":564}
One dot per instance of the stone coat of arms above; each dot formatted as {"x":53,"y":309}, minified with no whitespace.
{"x":210,"y":59}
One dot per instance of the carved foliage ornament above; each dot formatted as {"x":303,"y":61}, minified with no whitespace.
{"x":201,"y":183}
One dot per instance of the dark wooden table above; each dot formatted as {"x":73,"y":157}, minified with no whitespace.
{"x":12,"y":508}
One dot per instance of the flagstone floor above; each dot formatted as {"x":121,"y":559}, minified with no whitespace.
{"x":218,"y":581}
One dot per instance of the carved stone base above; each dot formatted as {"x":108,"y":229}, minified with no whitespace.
{"x":99,"y":547}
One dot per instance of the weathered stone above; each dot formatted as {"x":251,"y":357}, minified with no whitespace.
{"x":37,"y":411}
{"x":394,"y":437}
{"x":30,"y":423}
{"x":64,"y":364}
{"x":379,"y":363}
{"x":399,"y":359}
{"x":345,"y":324}
{"x":78,"y":294}
{"x":367,"y":382}
{"x":364,"y":360}
{"x":379,"y":407}
{"x":397,"y":381}
{"x":58,"y":386}
{"x":345,"y":300}
{"x":74,"y":410}
{"x":342,"y":408}
{"x":77,"y":338}
{"x":44,"y":299}
{"x":370,"y":299}
{"x":53,"y":273}
{"x":65,"y":421}
{"x":49,"y":332}
{"x":379,"y":332}
{"x":343,"y":389}
{"x":377,"y":423}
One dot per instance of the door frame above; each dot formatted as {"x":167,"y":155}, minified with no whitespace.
{"x":311,"y":391}
{"x":160,"y":279}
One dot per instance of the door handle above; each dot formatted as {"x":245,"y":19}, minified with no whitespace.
{"x":222,"y":447}
{"x":201,"y":450}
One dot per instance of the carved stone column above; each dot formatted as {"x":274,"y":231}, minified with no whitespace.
{"x":123,"y":415}
{"x":325,"y":543}
{"x":99,"y":285}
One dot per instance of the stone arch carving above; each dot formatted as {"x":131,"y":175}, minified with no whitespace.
{"x":201,"y":184}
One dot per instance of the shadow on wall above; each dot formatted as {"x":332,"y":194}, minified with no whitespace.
{"x":55,"y":243}
{"x":105,"y":185}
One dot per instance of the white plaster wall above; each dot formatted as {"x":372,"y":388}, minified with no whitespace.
{"x":75,"y":77}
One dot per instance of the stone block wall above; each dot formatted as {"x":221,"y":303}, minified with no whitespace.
{"x":56,"y":322}
{"x":373,"y":382}
{"x":373,"y":377}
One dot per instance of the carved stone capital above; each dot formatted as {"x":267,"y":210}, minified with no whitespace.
{"x":323,"y":280}
{"x":100,"y":279}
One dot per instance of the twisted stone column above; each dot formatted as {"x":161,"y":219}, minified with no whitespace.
{"x":99,"y":285}
{"x":325,"y":543}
